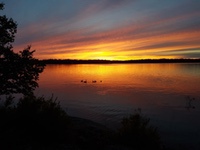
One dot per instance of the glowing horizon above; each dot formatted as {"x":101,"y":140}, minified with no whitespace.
{"x":107,"y":29}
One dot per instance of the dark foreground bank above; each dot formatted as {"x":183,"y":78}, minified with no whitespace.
{"x":36,"y":123}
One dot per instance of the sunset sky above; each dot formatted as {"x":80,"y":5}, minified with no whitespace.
{"x":107,"y":29}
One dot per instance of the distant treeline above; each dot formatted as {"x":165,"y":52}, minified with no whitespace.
{"x":76,"y":61}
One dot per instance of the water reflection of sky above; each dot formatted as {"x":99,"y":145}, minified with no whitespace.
{"x":160,"y":90}
{"x":168,"y":78}
{"x":148,"y":86}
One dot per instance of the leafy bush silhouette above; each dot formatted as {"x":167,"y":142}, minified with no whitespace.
{"x":33,"y":123}
{"x":36,"y":123}
{"x":137,"y":133}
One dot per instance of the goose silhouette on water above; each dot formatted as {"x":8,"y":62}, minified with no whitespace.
{"x":93,"y":81}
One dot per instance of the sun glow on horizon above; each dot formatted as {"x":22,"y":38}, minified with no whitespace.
{"x":108,"y":30}
{"x":168,"y":47}
{"x":122,"y":50}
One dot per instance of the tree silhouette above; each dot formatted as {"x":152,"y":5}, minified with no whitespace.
{"x":19,"y":72}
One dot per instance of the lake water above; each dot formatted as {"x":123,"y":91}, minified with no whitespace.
{"x":113,"y":91}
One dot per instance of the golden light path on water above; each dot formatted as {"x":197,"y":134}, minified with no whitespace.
{"x":151,"y":76}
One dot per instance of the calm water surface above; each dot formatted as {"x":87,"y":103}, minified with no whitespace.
{"x":160,"y":90}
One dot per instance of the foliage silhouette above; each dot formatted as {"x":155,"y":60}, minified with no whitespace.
{"x":136,"y":133}
{"x":33,"y":123}
{"x":37,"y":123}
{"x":19,"y":72}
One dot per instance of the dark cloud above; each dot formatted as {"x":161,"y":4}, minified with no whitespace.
{"x":182,"y":53}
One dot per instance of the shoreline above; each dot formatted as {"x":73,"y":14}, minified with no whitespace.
{"x":147,"y":61}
